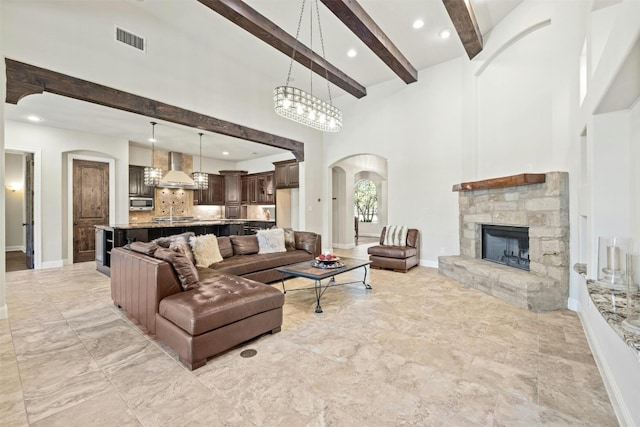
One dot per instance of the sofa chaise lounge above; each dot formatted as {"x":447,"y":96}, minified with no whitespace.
{"x":225,"y":308}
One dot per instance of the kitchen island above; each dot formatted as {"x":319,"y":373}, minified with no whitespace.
{"x":113,"y":236}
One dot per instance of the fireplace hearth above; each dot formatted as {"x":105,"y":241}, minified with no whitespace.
{"x":506,"y":245}
{"x":525,"y":222}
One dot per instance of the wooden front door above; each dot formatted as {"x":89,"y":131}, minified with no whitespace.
{"x":28,"y":203}
{"x":90,"y":206}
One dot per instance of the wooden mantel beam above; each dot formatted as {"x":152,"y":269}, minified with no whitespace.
{"x":362,"y":25}
{"x":24,"y":79}
{"x":463,"y":18}
{"x":250,"y":20}
{"x":504,"y":181}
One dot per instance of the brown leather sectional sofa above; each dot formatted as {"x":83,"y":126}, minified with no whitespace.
{"x":227,"y":307}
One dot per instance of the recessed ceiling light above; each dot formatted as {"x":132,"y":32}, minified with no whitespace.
{"x":34,"y":118}
{"x":352,"y":53}
{"x":418,"y":23}
{"x":445,"y":34}
{"x":225,"y":153}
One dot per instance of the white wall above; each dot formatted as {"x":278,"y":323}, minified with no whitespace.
{"x":14,"y":202}
{"x":417,"y":128}
{"x":610,"y":199}
{"x":54,"y":144}
{"x":3,"y":92}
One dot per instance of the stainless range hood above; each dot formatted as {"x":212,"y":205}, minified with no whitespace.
{"x":176,"y":178}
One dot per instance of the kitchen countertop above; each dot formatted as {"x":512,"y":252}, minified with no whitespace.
{"x":168,"y":224}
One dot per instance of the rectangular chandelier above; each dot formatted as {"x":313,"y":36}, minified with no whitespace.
{"x":297,"y":105}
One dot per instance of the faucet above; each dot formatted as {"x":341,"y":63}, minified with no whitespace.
{"x":171,"y":213}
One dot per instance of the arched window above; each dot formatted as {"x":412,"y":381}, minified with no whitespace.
{"x":365,"y":199}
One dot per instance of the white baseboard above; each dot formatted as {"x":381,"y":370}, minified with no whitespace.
{"x":344,"y":245}
{"x":52,"y":264}
{"x":14,"y":249}
{"x":573,"y":304}
{"x":4,"y":312}
{"x":428,"y":263}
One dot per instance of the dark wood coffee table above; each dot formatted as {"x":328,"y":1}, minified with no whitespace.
{"x":306,"y":269}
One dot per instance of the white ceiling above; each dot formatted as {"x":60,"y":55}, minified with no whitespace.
{"x":422,"y":47}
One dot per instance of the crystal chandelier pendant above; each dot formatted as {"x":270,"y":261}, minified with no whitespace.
{"x":302,"y":107}
{"x":200,"y":179}
{"x":152,"y":175}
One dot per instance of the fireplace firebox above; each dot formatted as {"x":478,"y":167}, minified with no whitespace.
{"x":506,"y":245}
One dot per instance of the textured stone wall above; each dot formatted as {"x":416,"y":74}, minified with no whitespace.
{"x":544,"y":208}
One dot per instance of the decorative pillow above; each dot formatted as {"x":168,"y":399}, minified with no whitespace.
{"x":177,"y":241}
{"x":306,"y":241}
{"x":143,"y":248}
{"x":205,"y":250}
{"x":244,"y":245}
{"x":289,"y":239}
{"x":271,"y":241}
{"x":186,"y":271}
{"x":226,"y":249}
{"x":396,"y":235}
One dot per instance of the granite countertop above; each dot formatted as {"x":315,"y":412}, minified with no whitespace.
{"x":612,"y":304}
{"x":167,"y":224}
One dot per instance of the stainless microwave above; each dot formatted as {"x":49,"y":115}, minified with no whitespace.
{"x":140,"y":203}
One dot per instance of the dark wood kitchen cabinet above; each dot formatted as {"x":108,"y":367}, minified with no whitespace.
{"x":249,"y":189}
{"x":232,"y":193}
{"x":287,"y":174}
{"x":265,"y":188}
{"x":214,"y":195}
{"x":137,"y":188}
{"x":258,"y":189}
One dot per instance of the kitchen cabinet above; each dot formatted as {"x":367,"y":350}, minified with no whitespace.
{"x":265,"y":188}
{"x":214,"y":195}
{"x":258,"y":189}
{"x":232,"y":193}
{"x":249,"y":189}
{"x":287,"y":174}
{"x":252,"y":227}
{"x":137,"y":188}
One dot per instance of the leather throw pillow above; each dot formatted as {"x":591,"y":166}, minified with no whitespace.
{"x":184,"y":268}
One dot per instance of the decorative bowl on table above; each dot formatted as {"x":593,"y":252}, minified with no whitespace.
{"x":327,"y":261}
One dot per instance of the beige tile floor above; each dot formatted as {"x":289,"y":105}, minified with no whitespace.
{"x":418,"y":349}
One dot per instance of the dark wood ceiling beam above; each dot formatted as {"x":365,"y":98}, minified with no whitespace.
{"x":24,"y":79}
{"x":250,"y":20}
{"x":364,"y":27}
{"x":464,"y":20}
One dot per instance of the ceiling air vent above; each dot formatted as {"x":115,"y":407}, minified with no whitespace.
{"x":131,"y":39}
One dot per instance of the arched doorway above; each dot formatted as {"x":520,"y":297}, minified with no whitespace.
{"x":346,"y":174}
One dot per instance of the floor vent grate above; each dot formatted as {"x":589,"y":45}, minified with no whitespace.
{"x":248,"y":353}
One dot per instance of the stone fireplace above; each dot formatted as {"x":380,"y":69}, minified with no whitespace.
{"x":537,"y":203}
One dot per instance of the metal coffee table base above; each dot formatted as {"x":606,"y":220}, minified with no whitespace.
{"x":320,"y":288}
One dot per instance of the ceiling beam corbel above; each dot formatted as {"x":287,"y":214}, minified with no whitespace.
{"x":25,"y":79}
{"x":464,"y":20}
{"x":365,"y":28}
{"x":253,"y":22}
